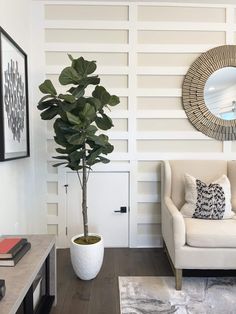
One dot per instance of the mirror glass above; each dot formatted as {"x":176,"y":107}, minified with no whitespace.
{"x":220,"y":93}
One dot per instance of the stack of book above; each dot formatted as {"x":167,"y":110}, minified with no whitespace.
{"x":12,"y":250}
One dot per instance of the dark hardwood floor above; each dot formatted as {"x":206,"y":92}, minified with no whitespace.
{"x":101,"y":295}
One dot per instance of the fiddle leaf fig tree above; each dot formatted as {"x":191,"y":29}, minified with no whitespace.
{"x":79,"y":120}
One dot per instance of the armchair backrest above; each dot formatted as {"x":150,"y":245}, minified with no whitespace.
{"x":205,"y":170}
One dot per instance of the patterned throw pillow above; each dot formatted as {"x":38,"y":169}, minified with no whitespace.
{"x":204,"y":201}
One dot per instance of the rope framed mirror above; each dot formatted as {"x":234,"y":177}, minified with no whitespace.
{"x":209,"y":93}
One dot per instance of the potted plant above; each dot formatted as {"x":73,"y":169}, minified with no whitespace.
{"x":79,"y":120}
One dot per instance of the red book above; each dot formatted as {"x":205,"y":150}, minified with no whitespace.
{"x":10,"y":246}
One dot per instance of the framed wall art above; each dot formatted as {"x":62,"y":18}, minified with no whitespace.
{"x":14,"y":115}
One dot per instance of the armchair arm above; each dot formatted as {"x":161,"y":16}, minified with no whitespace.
{"x":175,"y":221}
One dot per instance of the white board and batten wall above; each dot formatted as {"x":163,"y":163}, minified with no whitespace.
{"x":143,"y":50}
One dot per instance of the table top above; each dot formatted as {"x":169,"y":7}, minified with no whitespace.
{"x":19,"y":278}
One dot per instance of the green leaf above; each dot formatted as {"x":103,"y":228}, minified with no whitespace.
{"x":64,"y":127}
{"x":88,"y":113}
{"x":90,"y":80}
{"x":77,"y":92}
{"x":47,"y":88}
{"x":60,"y":157}
{"x":46,"y":104}
{"x":95,"y":102}
{"x":104,"y":122}
{"x":104,"y":160}
{"x":114,"y":100}
{"x":68,"y":98}
{"x":98,"y":140}
{"x":76,"y":139}
{"x":84,"y":67}
{"x":73,"y":118}
{"x":91,"y":130}
{"x":69,"y":76}
{"x":49,"y":113}
{"x":44,"y":98}
{"x":101,"y":93}
{"x":59,"y":164}
{"x":70,"y":57}
{"x":76,"y":156}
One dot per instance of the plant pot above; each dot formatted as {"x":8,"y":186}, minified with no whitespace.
{"x":86,"y":259}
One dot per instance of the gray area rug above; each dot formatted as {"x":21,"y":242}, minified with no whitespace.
{"x":154,"y":295}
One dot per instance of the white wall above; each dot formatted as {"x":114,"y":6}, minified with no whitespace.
{"x":22,"y":202}
{"x":143,"y":50}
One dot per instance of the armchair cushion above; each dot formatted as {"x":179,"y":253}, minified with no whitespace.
{"x":204,"y":201}
{"x":211,"y":233}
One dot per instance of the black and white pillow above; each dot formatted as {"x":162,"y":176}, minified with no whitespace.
{"x":204,"y":201}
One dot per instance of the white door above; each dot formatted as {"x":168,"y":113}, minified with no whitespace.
{"x":108,"y":194}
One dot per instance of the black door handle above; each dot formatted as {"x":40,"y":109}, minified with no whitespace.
{"x":123,"y":209}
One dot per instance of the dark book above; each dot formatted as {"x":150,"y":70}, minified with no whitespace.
{"x":13,"y":261}
{"x":9,"y":247}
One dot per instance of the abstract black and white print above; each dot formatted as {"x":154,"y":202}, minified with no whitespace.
{"x":14,"y":102}
{"x":14,"y":99}
{"x":210,"y":201}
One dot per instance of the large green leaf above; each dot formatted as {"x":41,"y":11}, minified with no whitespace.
{"x":104,"y":122}
{"x":101,"y":93}
{"x":73,"y":118}
{"x":44,"y":98}
{"x":68,"y":98}
{"x":47,"y":88}
{"x":49,"y":113}
{"x":69,"y":76}
{"x":59,"y":164}
{"x":114,"y":100}
{"x":88,"y":114}
{"x":95,"y":102}
{"x":77,"y":92}
{"x":76,"y":139}
{"x":63,"y":127}
{"x":77,"y":155}
{"x":89,"y":80}
{"x":84,"y":67}
{"x":46,"y":104}
{"x":98,"y":140}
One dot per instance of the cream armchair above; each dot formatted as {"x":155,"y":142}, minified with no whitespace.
{"x":196,"y":243}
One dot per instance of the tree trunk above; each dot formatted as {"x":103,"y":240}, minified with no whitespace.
{"x":84,"y":199}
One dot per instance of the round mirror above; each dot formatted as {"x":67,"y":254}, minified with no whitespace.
{"x":220,"y":93}
{"x":209,"y":93}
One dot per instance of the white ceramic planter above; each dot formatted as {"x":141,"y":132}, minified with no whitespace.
{"x":86,"y":259}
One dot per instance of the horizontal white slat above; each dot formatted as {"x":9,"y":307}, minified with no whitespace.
{"x":174,"y":48}
{"x":112,"y":156}
{"x":149,"y":219}
{"x":56,"y":69}
{"x":149,"y":240}
{"x":92,"y":24}
{"x":185,"y":155}
{"x":78,"y":47}
{"x":162,"y":70}
{"x":172,"y":135}
{"x":200,"y":3}
{"x":161,"y":92}
{"x":148,"y":198}
{"x":146,"y":177}
{"x":165,"y":114}
{"x":181,"y":26}
{"x":112,"y":135}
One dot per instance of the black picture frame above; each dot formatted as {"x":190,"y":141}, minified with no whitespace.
{"x":14,"y":103}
